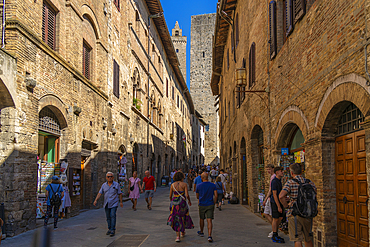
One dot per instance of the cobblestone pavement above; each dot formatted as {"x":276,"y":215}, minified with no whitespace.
{"x":233,"y":226}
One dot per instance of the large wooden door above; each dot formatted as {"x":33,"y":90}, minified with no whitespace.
{"x":352,"y":198}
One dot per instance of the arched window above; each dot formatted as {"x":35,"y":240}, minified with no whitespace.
{"x":177,"y":33}
{"x":350,"y":120}
{"x":252,"y":65}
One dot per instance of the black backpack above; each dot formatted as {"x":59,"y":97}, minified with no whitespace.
{"x":306,"y":204}
{"x":55,"y":199}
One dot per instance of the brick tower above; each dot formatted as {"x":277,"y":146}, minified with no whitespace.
{"x":179,"y":42}
{"x":202,"y":30}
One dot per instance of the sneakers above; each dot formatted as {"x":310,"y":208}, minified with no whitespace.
{"x":277,"y":239}
{"x":112,"y":233}
{"x":210,"y":239}
{"x":271,"y":234}
{"x":108,"y":232}
{"x":177,"y":239}
{"x":200,"y":234}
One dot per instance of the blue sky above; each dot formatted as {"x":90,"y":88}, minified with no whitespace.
{"x":181,"y":11}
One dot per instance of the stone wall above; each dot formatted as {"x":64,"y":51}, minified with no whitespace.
{"x":96,"y":123}
{"x":202,"y":31}
{"x":317,"y":72}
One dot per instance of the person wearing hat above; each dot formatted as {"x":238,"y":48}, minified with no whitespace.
{"x":53,"y":189}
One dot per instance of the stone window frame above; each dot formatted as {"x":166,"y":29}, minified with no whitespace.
{"x":50,"y":13}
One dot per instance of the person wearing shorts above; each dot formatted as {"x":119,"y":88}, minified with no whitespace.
{"x":207,"y":196}
{"x":267,"y":203}
{"x":304,"y":226}
{"x":150,"y":188}
{"x":276,"y":206}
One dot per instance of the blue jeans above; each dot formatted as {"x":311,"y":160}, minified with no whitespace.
{"x":111,"y":217}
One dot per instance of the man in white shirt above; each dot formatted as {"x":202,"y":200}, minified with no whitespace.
{"x":172,"y":174}
{"x":223,"y":177}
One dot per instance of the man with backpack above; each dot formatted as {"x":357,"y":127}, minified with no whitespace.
{"x":302,"y":207}
{"x":54,"y":195}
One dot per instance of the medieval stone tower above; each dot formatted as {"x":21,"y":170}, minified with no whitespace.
{"x":202,"y":30}
{"x":179,"y":42}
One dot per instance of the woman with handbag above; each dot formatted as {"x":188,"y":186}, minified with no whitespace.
{"x":179,"y":218}
{"x":220,"y":192}
{"x":134,"y":183}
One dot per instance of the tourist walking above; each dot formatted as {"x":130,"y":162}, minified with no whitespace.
{"x":220,"y":192}
{"x":111,"y":191}
{"x":134,"y":183}
{"x":179,"y":218}
{"x":223,"y":177}
{"x":150,"y":188}
{"x":172,"y":174}
{"x":267,"y":202}
{"x":276,"y":205}
{"x":191,"y":176}
{"x":214,"y":174}
{"x":197,"y":180}
{"x":54,"y":194}
{"x":207,"y":197}
{"x":300,"y":229}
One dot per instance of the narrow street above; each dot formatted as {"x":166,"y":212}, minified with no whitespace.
{"x":233,"y":226}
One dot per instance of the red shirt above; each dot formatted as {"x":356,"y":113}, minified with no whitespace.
{"x":149,"y":183}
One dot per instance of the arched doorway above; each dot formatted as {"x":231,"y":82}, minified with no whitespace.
{"x":258,"y":165}
{"x":343,"y":127}
{"x":244,"y":177}
{"x":51,"y":123}
{"x":291,"y":150}
{"x":135,"y":158}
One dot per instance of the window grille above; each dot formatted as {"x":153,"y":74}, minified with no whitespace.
{"x":48,"y":122}
{"x":48,"y":25}
{"x":350,"y":120}
{"x":86,"y":61}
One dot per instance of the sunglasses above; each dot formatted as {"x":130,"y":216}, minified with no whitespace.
{"x":109,"y":176}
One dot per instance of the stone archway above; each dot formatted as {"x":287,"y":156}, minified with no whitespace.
{"x":256,"y":166}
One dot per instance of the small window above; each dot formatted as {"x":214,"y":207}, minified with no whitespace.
{"x":167,"y":87}
{"x":177,"y":33}
{"x":173,"y":93}
{"x":227,"y":59}
{"x":207,"y":127}
{"x":273,"y":29}
{"x":48,"y":25}
{"x":237,"y":31}
{"x":204,"y":54}
{"x":116,"y":2}
{"x":115,"y":78}
{"x":252,"y":65}
{"x":86,"y":60}
{"x":137,"y":18}
{"x":177,"y":50}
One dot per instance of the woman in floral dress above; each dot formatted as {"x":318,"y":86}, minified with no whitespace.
{"x":179,"y":218}
{"x":134,"y":194}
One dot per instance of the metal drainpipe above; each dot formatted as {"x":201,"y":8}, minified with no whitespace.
{"x":147,"y":137}
{"x":3,"y":27}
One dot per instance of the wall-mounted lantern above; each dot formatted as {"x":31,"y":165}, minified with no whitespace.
{"x":241,"y":77}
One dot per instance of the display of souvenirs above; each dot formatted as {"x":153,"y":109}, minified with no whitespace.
{"x":261,"y":198}
{"x":76,"y":182}
{"x":287,"y":160}
{"x":122,"y":172}
{"x":261,"y":178}
{"x":41,"y":207}
{"x":45,"y":173}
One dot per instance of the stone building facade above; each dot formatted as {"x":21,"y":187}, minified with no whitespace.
{"x":202,"y":31}
{"x":179,"y":43}
{"x":76,"y":86}
{"x":198,"y":127}
{"x":311,"y":97}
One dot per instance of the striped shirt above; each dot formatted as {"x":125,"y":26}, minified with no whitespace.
{"x":292,"y":188}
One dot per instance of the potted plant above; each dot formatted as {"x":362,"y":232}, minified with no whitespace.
{"x":137,"y":103}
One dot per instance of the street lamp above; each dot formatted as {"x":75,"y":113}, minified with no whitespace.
{"x":149,"y":58}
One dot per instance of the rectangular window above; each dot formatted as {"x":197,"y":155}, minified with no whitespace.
{"x":116,"y":2}
{"x":178,"y":101}
{"x":207,"y":127}
{"x":173,"y":93}
{"x":273,"y":29}
{"x":167,"y":87}
{"x":86,"y":60}
{"x":48,"y":25}
{"x":115,"y":78}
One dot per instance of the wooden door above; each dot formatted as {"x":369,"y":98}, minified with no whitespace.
{"x":352,"y":213}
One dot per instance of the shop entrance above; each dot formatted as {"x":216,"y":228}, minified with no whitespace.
{"x":351,"y":180}
{"x":135,"y":158}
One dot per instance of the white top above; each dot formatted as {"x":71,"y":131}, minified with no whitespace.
{"x":172,"y":174}
{"x":223,"y":177}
